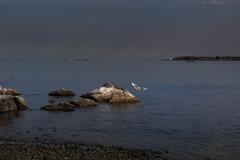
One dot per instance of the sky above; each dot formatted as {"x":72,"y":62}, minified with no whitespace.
{"x":119,"y":28}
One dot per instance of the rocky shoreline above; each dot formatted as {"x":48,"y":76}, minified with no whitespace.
{"x":47,"y":150}
{"x":12,"y":149}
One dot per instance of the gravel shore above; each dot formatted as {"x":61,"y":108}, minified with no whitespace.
{"x":23,"y":150}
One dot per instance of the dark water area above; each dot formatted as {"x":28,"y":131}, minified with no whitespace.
{"x":190,"y":109}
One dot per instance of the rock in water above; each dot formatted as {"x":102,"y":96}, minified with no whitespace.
{"x":65,"y":107}
{"x":69,"y":106}
{"x":21,"y":103}
{"x":9,"y":91}
{"x":123,"y":97}
{"x":12,"y":103}
{"x":111,"y":93}
{"x":7,"y":103}
{"x":84,"y":103}
{"x":62,"y":92}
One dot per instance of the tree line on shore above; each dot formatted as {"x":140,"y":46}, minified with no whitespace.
{"x":207,"y":58}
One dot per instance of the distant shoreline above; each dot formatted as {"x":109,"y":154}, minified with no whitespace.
{"x":205,"y":58}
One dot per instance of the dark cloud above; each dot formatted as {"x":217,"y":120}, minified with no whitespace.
{"x":155,"y":28}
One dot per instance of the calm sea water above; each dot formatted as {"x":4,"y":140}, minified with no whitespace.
{"x":190,"y":109}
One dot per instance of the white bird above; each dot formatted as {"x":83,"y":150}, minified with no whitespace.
{"x":137,"y":88}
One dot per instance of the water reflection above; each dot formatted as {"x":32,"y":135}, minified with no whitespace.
{"x":196,"y":113}
{"x":119,"y":107}
{"x":6,"y":118}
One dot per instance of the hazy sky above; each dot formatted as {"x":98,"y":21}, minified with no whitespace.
{"x":119,"y":28}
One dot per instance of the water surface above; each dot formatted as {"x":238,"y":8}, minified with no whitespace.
{"x":190,"y":109}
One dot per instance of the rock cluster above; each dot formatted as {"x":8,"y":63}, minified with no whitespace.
{"x":10,"y":99}
{"x":108,"y":93}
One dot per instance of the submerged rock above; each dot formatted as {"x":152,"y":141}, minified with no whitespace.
{"x":12,"y":103}
{"x":69,"y":106}
{"x":9,"y":91}
{"x":111,"y":93}
{"x":62,"y":92}
{"x":63,"y":106}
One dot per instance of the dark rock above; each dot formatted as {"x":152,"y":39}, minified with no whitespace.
{"x":89,"y":96}
{"x":65,"y":107}
{"x":111,"y":93}
{"x":62,"y":92}
{"x":84,"y":103}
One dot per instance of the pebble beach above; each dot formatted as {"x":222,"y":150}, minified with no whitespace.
{"x":23,"y":150}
